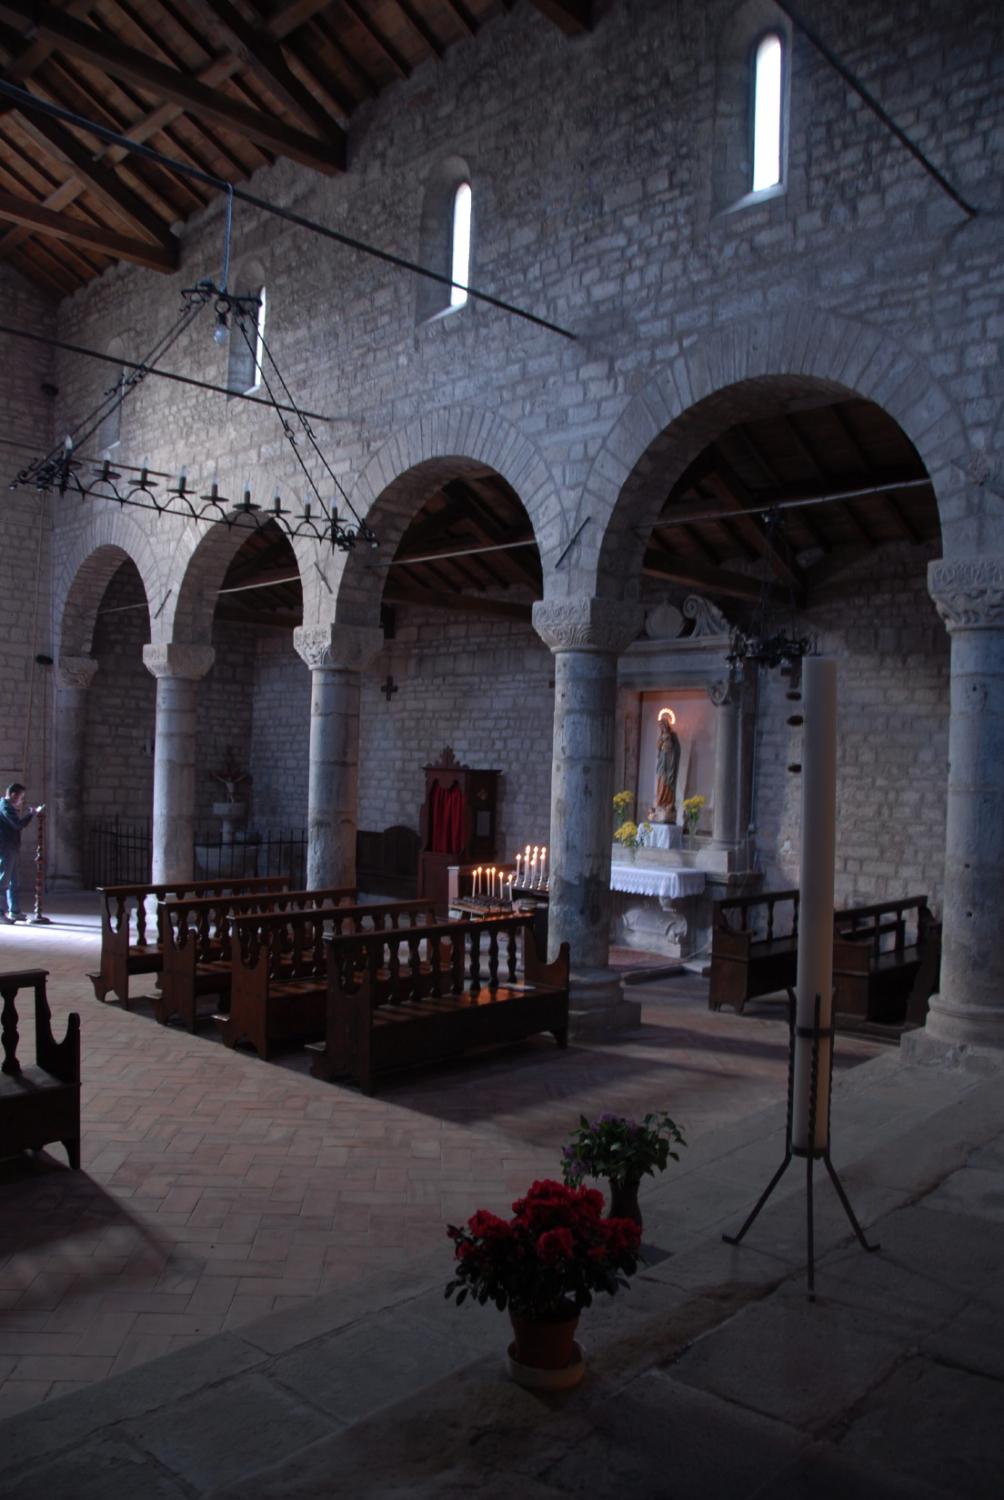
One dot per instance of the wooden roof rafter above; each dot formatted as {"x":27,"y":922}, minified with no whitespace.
{"x":76,"y":39}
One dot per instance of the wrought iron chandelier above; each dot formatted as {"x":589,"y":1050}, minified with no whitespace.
{"x":767,"y":643}
{"x":64,"y":471}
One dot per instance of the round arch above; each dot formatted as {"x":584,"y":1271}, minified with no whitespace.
{"x":85,"y":570}
{"x":744,"y":371}
{"x":408,"y":468}
{"x":203,"y":569}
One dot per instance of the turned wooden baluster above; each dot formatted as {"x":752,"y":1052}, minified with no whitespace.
{"x":8,"y":1029}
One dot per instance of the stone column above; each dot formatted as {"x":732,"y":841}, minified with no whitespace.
{"x":586,"y":636}
{"x":74,"y":675}
{"x":336,"y":656}
{"x":178,"y":669}
{"x":725,"y":832}
{"x":969,"y":1007}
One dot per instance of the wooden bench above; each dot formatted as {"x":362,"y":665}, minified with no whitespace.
{"x":886,"y":962}
{"x":756,"y":952}
{"x":278,"y":981}
{"x":129,"y":945}
{"x":385,"y":1013}
{"x":39,"y":1103}
{"x":195,"y":942}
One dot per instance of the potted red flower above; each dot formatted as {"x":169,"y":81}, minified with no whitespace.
{"x":544,"y":1265}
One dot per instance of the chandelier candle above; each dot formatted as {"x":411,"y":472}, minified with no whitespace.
{"x":815,"y":927}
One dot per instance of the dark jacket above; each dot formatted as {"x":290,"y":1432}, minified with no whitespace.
{"x":11,"y":825}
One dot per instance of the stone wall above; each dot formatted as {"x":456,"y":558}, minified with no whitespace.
{"x":121,"y":701}
{"x":25,"y":562}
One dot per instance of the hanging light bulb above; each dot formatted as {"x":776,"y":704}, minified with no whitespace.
{"x":221,"y":332}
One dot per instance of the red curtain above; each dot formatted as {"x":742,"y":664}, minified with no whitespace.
{"x":446,"y":819}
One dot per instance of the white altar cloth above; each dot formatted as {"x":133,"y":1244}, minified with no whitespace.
{"x":662,"y":836}
{"x":651,"y":880}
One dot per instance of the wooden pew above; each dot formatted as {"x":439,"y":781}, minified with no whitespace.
{"x":195,"y":942}
{"x":42,"y":1103}
{"x":754,"y":947}
{"x":455,"y":989}
{"x":886,"y":962}
{"x":278,"y":983}
{"x":130,"y":943}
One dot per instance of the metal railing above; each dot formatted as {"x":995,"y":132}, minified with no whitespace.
{"x":119,"y":851}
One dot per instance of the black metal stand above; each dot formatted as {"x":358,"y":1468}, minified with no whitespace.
{"x":812,"y":1153}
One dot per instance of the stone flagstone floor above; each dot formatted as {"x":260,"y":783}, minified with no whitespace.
{"x":217,"y":1188}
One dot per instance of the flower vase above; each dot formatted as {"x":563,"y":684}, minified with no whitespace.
{"x":544,"y":1354}
{"x":624,"y":1200}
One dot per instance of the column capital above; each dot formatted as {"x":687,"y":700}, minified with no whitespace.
{"x":75,"y":671}
{"x":968,"y":592}
{"x":348,"y":646}
{"x":177,"y":660}
{"x":601,"y":625}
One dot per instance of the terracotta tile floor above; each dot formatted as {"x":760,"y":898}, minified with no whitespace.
{"x":217,"y":1188}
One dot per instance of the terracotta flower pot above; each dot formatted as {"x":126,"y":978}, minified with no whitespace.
{"x":545,"y":1344}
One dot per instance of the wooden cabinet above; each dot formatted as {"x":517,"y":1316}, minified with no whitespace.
{"x":458,"y":823}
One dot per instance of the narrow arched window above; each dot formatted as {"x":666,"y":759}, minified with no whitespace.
{"x":768,"y":64}
{"x":460,"y":263}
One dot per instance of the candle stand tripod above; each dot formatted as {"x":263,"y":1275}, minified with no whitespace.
{"x":812,"y":1153}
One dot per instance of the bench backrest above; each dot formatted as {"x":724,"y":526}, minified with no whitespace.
{"x":443,"y":958}
{"x":124,"y":904}
{"x":886,"y":926}
{"x":758,"y":915}
{"x":205,"y":920}
{"x":290,"y":944}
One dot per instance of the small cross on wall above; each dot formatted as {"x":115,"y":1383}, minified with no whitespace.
{"x":389,"y":688}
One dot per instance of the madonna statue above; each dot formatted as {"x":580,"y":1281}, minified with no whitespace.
{"x":667,"y":766}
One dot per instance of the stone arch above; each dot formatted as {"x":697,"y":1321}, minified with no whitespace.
{"x":189,"y":617}
{"x":402,"y":474}
{"x":84,"y":572}
{"x":738,"y":372}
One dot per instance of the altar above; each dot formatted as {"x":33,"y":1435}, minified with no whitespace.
{"x":655,"y":880}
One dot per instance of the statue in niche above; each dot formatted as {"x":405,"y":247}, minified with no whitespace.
{"x":667,"y":767}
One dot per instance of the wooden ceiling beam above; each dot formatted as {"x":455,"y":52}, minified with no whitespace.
{"x":725,"y":483}
{"x":466,"y":604}
{"x":278,"y":26}
{"x":660,"y":564}
{"x":263,"y":58}
{"x":63,"y":227}
{"x":398,"y":62}
{"x":466,"y":18}
{"x":96,"y":178}
{"x":126,"y":63}
{"x":419,"y":24}
{"x":573,"y":16}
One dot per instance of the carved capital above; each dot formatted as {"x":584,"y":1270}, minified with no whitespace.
{"x":608,"y":625}
{"x":968,"y":592}
{"x":351,"y":647}
{"x":177,"y":660}
{"x":75,"y":671}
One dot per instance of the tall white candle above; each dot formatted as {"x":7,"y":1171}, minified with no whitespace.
{"x":815,"y":919}
{"x":543,"y":865}
{"x":516,"y":876}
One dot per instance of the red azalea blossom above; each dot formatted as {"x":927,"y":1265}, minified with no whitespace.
{"x":555,"y":1244}
{"x":556,"y":1250}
